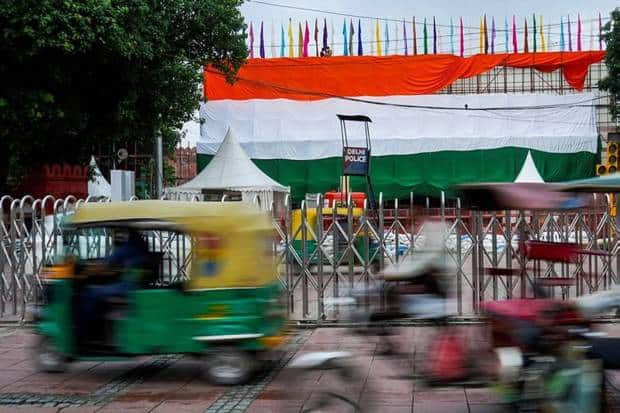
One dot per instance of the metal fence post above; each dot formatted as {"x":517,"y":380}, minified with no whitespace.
{"x":350,"y":243}
{"x":319,"y":258}
{"x":474,"y":258}
{"x":304,"y":267}
{"x":459,"y":258}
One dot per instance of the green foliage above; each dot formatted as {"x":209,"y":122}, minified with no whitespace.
{"x":77,"y":74}
{"x":611,"y":35}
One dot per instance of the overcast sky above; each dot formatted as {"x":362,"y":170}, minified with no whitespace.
{"x":274,"y":17}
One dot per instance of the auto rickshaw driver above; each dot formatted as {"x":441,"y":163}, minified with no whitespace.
{"x":128,"y":262}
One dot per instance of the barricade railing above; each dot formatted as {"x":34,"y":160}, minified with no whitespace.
{"x":322,"y":252}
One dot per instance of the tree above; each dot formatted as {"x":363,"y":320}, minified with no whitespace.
{"x":75,"y":74}
{"x":611,"y":35}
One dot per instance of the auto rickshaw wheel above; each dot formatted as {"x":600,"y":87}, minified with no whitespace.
{"x":229,"y":366}
{"x":47,"y":358}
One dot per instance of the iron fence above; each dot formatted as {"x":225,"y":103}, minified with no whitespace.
{"x":320,"y":252}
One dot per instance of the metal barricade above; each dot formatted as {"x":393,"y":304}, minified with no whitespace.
{"x":321,"y":252}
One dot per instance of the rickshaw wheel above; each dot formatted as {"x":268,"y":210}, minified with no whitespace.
{"x":47,"y":358}
{"x":229,"y":366}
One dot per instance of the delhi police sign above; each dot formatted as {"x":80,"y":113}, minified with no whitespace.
{"x":356,"y":160}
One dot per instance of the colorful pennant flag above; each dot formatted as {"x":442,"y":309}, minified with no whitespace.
{"x":486,"y":36}
{"x":600,"y":32}
{"x":506,"y":36}
{"x":316,"y":37}
{"x":592,"y":35}
{"x":300,"y":42}
{"x":351,"y":34}
{"x":534,"y":32}
{"x":562,"y":46}
{"x":324,"y":33}
{"x":387,"y":40}
{"x":415,"y":38}
{"x":344,"y":35}
{"x":578,"y":32}
{"x":290,"y":38}
{"x":526,"y":46}
{"x":434,"y":36}
{"x":405,"y":38}
{"x":492,"y":35}
{"x":548,"y":45}
{"x":360,"y":48}
{"x":481,"y":36}
{"x":515,"y":48}
{"x":306,"y":40}
{"x":282,"y":41}
{"x":262,"y":42}
{"x":451,"y":37}
{"x":251,"y":41}
{"x":570,"y":37}
{"x":543,"y":45}
{"x":425,"y":38}
{"x":395,"y":41}
{"x":378,"y":39}
{"x":373,"y":33}
{"x":273,"y":40}
{"x":461,"y":38}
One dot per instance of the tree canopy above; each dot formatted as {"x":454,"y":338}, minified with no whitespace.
{"x":611,"y":35}
{"x":78,"y":73}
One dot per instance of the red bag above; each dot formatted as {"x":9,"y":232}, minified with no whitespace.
{"x":448,"y":357}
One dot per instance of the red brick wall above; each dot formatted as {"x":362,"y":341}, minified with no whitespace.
{"x":184,"y":164}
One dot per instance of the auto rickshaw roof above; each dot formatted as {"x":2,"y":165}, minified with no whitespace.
{"x":601,"y":184}
{"x":199,"y":214}
{"x":518,"y":196}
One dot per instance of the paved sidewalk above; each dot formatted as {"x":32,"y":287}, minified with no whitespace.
{"x":175,"y":384}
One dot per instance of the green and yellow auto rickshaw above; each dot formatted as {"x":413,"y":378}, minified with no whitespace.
{"x":208,"y":287}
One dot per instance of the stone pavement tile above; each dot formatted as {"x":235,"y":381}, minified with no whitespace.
{"x":160,"y":394}
{"x":440,"y":395}
{"x":393,"y":398}
{"x":390,"y":368}
{"x":296,"y":394}
{"x":83,"y":409}
{"x":133,"y":407}
{"x":288,"y":376}
{"x":27,"y":409}
{"x":36,"y":384}
{"x":381,"y":384}
{"x":439,"y":407}
{"x":78,"y":385}
{"x":487,"y":408}
{"x":195,"y":392}
{"x":482,"y":396}
{"x":382,"y":408}
{"x":181,"y":407}
{"x":25,"y":365}
{"x":10,"y":376}
{"x":7,"y":361}
{"x":271,"y":406}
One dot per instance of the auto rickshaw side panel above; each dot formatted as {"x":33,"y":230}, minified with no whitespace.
{"x":176,"y":321}
{"x":55,"y":319}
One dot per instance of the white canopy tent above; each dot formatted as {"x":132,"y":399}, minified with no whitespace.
{"x":529,"y":172}
{"x":98,"y":186}
{"x":232,"y":170}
